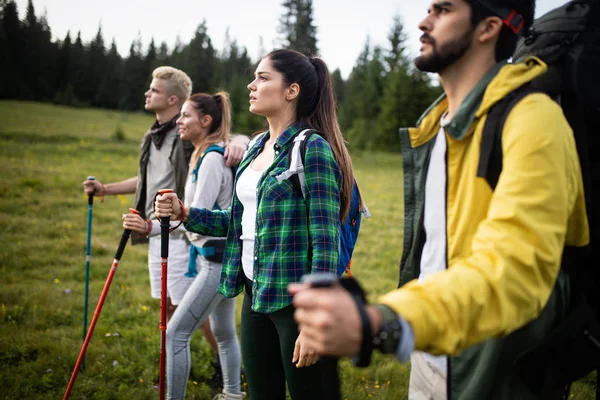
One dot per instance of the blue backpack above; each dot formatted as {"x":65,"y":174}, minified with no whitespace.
{"x":348,"y":228}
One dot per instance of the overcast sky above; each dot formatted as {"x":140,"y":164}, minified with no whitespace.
{"x":342,"y":25}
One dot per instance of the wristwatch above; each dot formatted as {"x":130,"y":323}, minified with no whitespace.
{"x":388,"y":338}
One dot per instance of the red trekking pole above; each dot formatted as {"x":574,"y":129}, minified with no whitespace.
{"x":164,"y":254}
{"x":113,"y":269}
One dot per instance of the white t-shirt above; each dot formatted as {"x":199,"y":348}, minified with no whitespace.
{"x":433,"y":258}
{"x":246,"y":189}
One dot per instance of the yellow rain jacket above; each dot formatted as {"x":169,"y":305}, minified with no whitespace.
{"x":504,"y":246}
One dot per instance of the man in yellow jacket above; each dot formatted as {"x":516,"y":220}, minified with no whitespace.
{"x":480,"y":273}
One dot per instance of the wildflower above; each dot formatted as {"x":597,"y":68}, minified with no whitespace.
{"x":115,"y":334}
{"x":107,"y":334}
{"x":67,"y":291}
{"x":115,"y":363}
{"x":141,"y":380}
{"x":49,"y":370}
{"x":56,"y":280}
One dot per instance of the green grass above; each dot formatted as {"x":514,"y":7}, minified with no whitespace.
{"x":45,"y":153}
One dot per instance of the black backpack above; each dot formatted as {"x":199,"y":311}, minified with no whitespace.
{"x":567,"y":39}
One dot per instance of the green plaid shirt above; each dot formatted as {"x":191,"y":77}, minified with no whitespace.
{"x":293,"y":236}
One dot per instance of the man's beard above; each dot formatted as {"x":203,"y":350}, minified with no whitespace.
{"x":447,"y":54}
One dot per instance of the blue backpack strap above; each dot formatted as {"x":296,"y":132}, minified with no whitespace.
{"x":212,"y":147}
{"x":202,"y":251}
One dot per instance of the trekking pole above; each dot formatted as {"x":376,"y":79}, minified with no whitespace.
{"x":164,"y":254}
{"x":113,"y":269}
{"x":87,"y":263}
{"x":330,"y":377}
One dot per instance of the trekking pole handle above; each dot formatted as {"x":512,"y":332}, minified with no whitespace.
{"x":321,"y":279}
{"x":329,"y":372}
{"x":91,"y":195}
{"x":164,"y":230}
{"x":125,"y":237}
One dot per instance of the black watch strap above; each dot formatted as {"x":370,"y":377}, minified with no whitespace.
{"x":366,"y":347}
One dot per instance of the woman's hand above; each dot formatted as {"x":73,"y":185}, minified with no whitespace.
{"x":167,"y":205}
{"x":135,"y":223}
{"x":302,"y":354}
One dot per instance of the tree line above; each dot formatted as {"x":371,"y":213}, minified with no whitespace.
{"x":382,"y":93}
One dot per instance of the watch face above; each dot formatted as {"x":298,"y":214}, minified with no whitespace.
{"x":388,"y":339}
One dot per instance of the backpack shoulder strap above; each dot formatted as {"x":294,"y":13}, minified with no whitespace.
{"x":214,"y":147}
{"x":298,"y":159}
{"x":211,"y":148}
{"x":295,"y":171}
{"x":490,"y":156}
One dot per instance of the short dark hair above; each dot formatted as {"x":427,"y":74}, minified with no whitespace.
{"x":507,"y":41}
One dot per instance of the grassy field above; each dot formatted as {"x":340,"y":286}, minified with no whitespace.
{"x":45,"y":153}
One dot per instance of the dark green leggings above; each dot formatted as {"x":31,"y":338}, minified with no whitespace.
{"x":267,"y":348}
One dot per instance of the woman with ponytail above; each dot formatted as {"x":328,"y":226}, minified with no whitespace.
{"x":274,"y":235}
{"x":205,"y":121}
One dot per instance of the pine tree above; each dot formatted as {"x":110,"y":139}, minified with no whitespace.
{"x":133,"y":82}
{"x":363,"y":92}
{"x":76,"y":71}
{"x":237,"y":74}
{"x":397,"y":94}
{"x":150,"y":59}
{"x":4,"y":56}
{"x":162,"y":57}
{"x":11,"y":82}
{"x":37,"y":57}
{"x":396,"y":57}
{"x":109,"y":90}
{"x":63,"y":62}
{"x":30,"y":65}
{"x":199,"y":60}
{"x":95,"y":68}
{"x":297,"y":27}
{"x":338,"y":85}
